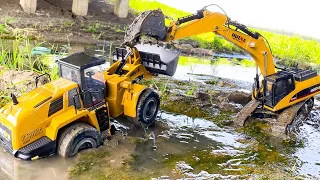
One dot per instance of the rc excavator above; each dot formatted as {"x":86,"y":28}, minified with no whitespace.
{"x":282,"y":96}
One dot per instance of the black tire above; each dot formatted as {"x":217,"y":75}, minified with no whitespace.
{"x":113,"y":130}
{"x":78,"y":137}
{"x":147,"y":108}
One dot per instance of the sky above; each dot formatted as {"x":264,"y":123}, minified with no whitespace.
{"x":300,"y":17}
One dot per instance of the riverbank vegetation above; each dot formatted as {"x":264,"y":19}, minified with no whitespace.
{"x":19,"y":55}
{"x":289,"y":48}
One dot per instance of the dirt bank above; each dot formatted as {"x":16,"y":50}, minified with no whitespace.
{"x":54,"y":22}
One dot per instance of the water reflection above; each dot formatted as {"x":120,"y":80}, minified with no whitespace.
{"x":50,"y":168}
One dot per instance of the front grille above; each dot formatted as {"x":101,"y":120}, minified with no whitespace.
{"x":6,"y":142}
{"x":6,"y":146}
{"x":35,"y":145}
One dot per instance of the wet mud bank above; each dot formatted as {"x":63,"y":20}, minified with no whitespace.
{"x":54,"y":22}
{"x":216,"y":99}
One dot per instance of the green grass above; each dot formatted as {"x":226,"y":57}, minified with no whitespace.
{"x":68,"y":23}
{"x":2,"y":28}
{"x":94,"y":28}
{"x":289,"y":48}
{"x":18,"y":55}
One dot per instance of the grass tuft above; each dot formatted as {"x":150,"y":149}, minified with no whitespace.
{"x":18,"y":55}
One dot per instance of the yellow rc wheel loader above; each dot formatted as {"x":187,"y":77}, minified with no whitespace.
{"x":68,"y":115}
{"x":283,"y":96}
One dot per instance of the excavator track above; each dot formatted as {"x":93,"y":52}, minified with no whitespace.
{"x":286,"y":118}
{"x":245,"y":113}
{"x":287,"y":121}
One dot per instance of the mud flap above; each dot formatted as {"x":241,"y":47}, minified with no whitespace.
{"x":149,"y":23}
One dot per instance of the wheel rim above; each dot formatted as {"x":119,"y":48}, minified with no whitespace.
{"x":85,"y":143}
{"x":150,"y":109}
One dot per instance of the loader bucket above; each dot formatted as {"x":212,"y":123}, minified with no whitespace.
{"x":157,"y":60}
{"x":150,"y":23}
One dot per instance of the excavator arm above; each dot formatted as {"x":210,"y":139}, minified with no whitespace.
{"x":151,"y":23}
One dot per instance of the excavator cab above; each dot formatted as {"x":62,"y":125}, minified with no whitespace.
{"x":87,"y":72}
{"x":278,"y":86}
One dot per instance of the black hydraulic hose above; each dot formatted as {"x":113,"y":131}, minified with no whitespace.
{"x":221,"y":10}
{"x":254,"y":94}
{"x":199,"y":15}
{"x":267,"y":43}
{"x":122,"y":63}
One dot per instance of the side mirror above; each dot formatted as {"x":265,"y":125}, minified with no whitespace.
{"x":74,"y":103}
{"x":45,"y":80}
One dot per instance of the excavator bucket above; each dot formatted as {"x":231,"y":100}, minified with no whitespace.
{"x":150,"y":23}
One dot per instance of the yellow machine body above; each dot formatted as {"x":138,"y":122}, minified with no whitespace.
{"x":42,"y":115}
{"x":123,"y":95}
{"x":29,"y":120}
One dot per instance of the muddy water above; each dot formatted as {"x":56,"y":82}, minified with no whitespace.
{"x":217,"y":69}
{"x":183,"y":135}
{"x":310,"y":134}
{"x":49,"y":168}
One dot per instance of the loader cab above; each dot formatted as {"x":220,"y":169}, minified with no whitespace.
{"x":87,"y":72}
{"x":278,"y":86}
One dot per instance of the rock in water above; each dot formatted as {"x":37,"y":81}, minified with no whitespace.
{"x":230,"y":107}
{"x":239,"y":97}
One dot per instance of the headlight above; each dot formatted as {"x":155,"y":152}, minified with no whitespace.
{"x":5,"y":133}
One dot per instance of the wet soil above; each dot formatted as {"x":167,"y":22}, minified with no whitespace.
{"x":19,"y":82}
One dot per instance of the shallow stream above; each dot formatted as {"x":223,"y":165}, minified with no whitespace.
{"x":184,"y":138}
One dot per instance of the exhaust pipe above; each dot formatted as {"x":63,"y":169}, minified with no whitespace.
{"x":14,"y":99}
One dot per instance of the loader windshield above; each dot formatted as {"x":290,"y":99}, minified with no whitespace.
{"x":93,"y":86}
{"x":70,"y":74}
{"x":94,"y":78}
